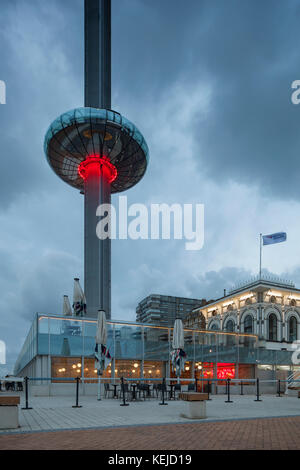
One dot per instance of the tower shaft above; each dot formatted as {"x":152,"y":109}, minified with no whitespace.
{"x":97,"y":25}
{"x":97,"y":253}
{"x":97,"y":190}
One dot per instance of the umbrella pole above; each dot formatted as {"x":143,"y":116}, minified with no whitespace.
{"x":99,"y":388}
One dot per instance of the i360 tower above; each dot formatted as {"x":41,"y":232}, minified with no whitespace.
{"x":97,"y":151}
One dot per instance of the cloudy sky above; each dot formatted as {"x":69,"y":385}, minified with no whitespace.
{"x":208,"y":82}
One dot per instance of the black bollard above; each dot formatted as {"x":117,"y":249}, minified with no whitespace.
{"x":163,"y":392}
{"x":279,"y":389}
{"x":209,"y":399}
{"x":257,"y":390}
{"x":26,"y":395}
{"x":242,"y":390}
{"x":228,"y":392}
{"x":77,"y":394}
{"x":123,"y":389}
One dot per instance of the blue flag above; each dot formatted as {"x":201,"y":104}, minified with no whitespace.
{"x":274,"y":238}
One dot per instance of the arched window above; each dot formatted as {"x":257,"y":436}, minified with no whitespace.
{"x":230,"y":329}
{"x":292,"y":327}
{"x":272,"y":327}
{"x":230,"y":326}
{"x":214,"y":326}
{"x":248,"y":324}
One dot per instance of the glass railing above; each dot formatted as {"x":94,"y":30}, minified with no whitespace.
{"x":58,"y":336}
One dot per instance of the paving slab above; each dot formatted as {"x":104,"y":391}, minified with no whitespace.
{"x":56,"y":413}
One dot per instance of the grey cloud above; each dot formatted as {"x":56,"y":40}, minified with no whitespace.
{"x":245,"y":52}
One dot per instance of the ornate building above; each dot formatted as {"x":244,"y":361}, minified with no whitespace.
{"x":266,"y":307}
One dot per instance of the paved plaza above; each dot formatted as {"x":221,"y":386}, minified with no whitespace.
{"x":273,"y":423}
{"x":256,"y":434}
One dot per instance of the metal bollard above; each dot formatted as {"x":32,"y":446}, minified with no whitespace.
{"x":279,"y":389}
{"x":242,"y":390}
{"x":123,"y":389}
{"x":209,"y":399}
{"x":257,"y":390}
{"x":228,"y":392}
{"x":163,"y":392}
{"x":26,"y":395}
{"x":77,"y":394}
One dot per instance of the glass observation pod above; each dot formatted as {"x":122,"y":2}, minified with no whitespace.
{"x":68,"y":343}
{"x":84,"y":132}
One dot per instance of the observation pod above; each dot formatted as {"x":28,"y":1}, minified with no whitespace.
{"x":98,"y":152}
{"x":83,"y":132}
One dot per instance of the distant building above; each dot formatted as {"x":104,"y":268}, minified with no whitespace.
{"x":164,"y":309}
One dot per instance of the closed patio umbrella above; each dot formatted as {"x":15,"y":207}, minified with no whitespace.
{"x":67,"y":310}
{"x":102,"y":355}
{"x":79,"y":301}
{"x":177,"y":354}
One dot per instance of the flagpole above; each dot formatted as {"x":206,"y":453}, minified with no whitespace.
{"x":260,"y":249}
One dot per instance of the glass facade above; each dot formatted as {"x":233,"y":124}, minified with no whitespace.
{"x":138,"y":349}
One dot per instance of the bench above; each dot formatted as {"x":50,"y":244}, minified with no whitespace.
{"x":9,"y":412}
{"x":194,"y":405}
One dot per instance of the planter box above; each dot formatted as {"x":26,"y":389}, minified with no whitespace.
{"x":194,"y":405}
{"x":9,"y":412}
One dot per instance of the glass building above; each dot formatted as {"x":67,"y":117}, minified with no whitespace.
{"x":63,"y":347}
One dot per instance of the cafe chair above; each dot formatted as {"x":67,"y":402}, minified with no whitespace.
{"x":177,"y":391}
{"x":107,"y":390}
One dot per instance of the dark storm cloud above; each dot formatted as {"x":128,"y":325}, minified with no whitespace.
{"x":36,"y":49}
{"x":247,"y":51}
{"x":244,"y":52}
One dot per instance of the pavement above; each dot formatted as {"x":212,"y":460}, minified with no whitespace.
{"x":52,"y":423}
{"x":256,"y":434}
